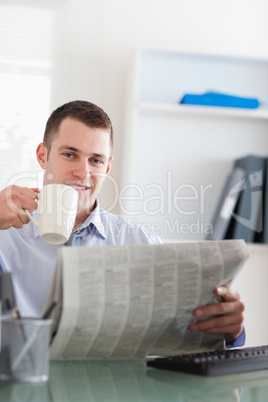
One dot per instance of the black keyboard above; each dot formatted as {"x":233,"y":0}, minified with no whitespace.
{"x":227,"y":361}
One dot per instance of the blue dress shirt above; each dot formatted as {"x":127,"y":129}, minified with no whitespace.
{"x":31,"y":261}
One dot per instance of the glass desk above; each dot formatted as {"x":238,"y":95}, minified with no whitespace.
{"x":134,"y":382}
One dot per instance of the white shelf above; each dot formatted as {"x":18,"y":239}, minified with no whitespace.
{"x":157,"y":107}
{"x":177,"y":157}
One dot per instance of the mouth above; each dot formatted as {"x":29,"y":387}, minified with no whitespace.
{"x":79,"y":188}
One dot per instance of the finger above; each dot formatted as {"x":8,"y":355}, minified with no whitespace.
{"x":24,"y":217}
{"x":216,"y":324}
{"x":8,"y":225}
{"x":227,"y":293}
{"x":29,"y":205}
{"x":15,"y":220}
{"x":37,"y":192}
{"x":235,"y":330}
{"x":219,"y":309}
{"x":35,"y":189}
{"x":231,"y":332}
{"x":19,"y":198}
{"x":26,"y":191}
{"x":32,"y":193}
{"x":19,"y":204}
{"x":12,"y":221}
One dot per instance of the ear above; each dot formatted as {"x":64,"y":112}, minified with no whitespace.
{"x":41,"y":154}
{"x":109,"y":165}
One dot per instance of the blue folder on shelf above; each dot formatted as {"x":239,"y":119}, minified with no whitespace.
{"x":219,"y":99}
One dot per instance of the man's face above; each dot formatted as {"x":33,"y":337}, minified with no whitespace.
{"x":79,"y":157}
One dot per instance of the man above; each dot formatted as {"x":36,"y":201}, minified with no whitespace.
{"x":77,"y":151}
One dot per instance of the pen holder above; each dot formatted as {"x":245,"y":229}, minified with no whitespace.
{"x":25,"y":350}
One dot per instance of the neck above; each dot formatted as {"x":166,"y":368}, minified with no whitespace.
{"x":81,"y":216}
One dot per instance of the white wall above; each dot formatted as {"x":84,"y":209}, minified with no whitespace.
{"x":95,"y":42}
{"x":251,"y":283}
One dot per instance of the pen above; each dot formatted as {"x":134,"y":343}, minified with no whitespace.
{"x":48,"y":312}
{"x":7,"y":305}
{"x":31,"y":339}
{"x":17,"y":316}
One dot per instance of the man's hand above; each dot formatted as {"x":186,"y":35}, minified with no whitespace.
{"x":225,"y":317}
{"x":13,"y":201}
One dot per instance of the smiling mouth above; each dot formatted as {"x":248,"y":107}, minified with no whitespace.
{"x":79,"y":188}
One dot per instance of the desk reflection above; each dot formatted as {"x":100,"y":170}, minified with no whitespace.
{"x":133,"y":381}
{"x":20,"y":392}
{"x":129,"y":382}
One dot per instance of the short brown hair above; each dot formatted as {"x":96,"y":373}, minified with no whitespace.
{"x":85,"y":112}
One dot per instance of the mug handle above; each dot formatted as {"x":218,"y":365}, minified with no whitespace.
{"x":31,"y":218}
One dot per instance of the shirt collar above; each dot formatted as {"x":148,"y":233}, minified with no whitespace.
{"x":94,"y":218}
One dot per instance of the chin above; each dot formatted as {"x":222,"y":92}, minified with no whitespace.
{"x":86,"y":207}
{"x":86,"y":203}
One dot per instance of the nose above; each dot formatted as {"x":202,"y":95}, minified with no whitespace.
{"x":82,"y":170}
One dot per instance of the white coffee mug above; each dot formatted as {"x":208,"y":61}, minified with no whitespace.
{"x":56,"y":213}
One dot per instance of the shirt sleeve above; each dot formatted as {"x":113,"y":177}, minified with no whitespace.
{"x":240,"y":341}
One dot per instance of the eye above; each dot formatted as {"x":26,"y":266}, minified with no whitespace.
{"x":68,"y":155}
{"x":96,"y":161}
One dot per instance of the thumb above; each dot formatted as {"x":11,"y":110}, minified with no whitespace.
{"x":227,"y":294}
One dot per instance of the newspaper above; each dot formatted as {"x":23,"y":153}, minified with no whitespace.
{"x":128,"y":302}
